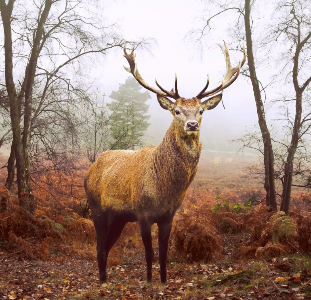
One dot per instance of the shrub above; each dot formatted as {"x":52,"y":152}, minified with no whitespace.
{"x":82,"y":230}
{"x":279,"y":228}
{"x":195,"y":239}
{"x":304,"y":231}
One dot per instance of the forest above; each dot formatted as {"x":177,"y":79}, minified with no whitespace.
{"x":243,"y":230}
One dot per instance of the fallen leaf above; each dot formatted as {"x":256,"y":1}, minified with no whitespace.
{"x":12,"y":295}
{"x":47,"y":290}
{"x":279,"y":279}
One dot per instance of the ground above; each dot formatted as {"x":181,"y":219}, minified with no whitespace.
{"x":68,"y":275}
{"x":73,"y":278}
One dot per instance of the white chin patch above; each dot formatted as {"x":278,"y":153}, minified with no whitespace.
{"x":189,"y":132}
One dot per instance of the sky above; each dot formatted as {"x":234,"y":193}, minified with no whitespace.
{"x":168,"y":22}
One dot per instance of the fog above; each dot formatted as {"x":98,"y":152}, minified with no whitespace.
{"x":168,"y":22}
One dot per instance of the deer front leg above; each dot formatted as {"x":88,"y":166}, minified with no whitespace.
{"x":101,"y":227}
{"x":163,"y":237}
{"x":145,"y":229}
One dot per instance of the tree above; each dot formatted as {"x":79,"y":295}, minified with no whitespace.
{"x":128,"y":120}
{"x":293,"y":30}
{"x":244,"y":11}
{"x":265,"y":133}
{"x":289,"y":31}
{"x":47,"y":36}
{"x":96,"y":132}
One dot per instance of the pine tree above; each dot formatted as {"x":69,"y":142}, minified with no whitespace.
{"x":128,"y":121}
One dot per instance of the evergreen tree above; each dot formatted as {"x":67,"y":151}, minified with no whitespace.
{"x":128,"y":121}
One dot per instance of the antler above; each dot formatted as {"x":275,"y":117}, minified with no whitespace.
{"x":171,"y":94}
{"x":133,"y":69}
{"x":231,"y":75}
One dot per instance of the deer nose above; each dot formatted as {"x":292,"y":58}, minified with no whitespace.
{"x":192,"y":125}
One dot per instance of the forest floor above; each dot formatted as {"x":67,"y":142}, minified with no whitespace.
{"x":68,"y":269}
{"x":63,"y":277}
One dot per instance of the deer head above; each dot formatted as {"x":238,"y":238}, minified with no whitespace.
{"x":188,"y":112}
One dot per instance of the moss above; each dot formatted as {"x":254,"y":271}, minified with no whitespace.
{"x":306,"y":289}
{"x":247,"y":287}
{"x":243,"y":278}
{"x":59,"y":227}
{"x":69,"y":220}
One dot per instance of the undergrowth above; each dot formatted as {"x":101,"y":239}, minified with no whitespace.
{"x":62,"y":226}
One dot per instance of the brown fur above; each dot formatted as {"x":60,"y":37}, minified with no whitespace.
{"x":149,"y":182}
{"x":147,"y":185}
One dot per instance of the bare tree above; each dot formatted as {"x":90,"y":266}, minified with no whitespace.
{"x":243,"y":10}
{"x":96,"y":137}
{"x":266,"y":138}
{"x":293,"y":30}
{"x":46,"y":36}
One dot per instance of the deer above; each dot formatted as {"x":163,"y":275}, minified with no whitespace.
{"x":149,"y":185}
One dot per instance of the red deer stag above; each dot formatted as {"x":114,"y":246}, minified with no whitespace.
{"x":149,"y":185}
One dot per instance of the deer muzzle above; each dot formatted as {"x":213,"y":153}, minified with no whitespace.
{"x":192,"y":125}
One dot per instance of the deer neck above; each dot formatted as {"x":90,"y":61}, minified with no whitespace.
{"x":178,"y":148}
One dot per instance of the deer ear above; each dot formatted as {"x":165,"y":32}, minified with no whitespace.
{"x":211,"y":102}
{"x":166,"y":103}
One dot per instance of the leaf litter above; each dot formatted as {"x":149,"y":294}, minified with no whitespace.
{"x":74,"y":278}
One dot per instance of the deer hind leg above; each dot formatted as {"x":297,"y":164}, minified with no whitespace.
{"x":114,"y":231}
{"x":163,"y":237}
{"x":101,"y":227}
{"x":145,"y":229}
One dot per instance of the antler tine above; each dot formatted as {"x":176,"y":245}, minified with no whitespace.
{"x":230,"y":76}
{"x":171,"y":94}
{"x":134,"y":71}
{"x":176,"y":89}
{"x":204,"y":89}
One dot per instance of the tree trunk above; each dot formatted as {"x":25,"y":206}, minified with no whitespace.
{"x":268,"y":150}
{"x":11,"y":169}
{"x":288,"y":174}
{"x":6,"y":12}
{"x":21,"y":141}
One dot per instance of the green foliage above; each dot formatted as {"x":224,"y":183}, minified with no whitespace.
{"x":282,"y":226}
{"x":222,"y":203}
{"x":248,"y":203}
{"x":128,"y":121}
{"x":235,"y":207}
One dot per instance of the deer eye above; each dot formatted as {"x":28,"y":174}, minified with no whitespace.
{"x":177,"y":112}
{"x":201,"y":111}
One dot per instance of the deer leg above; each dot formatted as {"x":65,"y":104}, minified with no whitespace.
{"x":163,"y":237}
{"x":101,"y":227}
{"x":145,"y":229}
{"x":114,"y":232}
